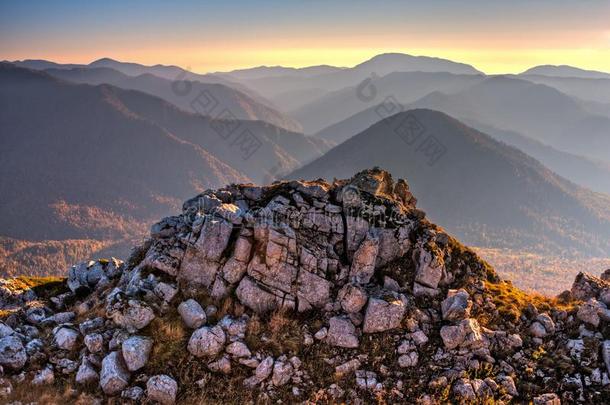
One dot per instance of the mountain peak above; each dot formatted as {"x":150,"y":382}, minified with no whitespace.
{"x":400,"y":62}
{"x":566,"y":71}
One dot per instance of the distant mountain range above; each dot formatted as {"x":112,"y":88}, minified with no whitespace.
{"x":135,"y":69}
{"x":224,"y":98}
{"x":275,"y":87}
{"x":565,"y":71}
{"x":480,"y":189}
{"x":89,"y":152}
{"x":403,"y":87}
{"x":538,"y":111}
{"x":84,"y":162}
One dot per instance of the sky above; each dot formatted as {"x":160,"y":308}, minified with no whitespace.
{"x":204,"y":36}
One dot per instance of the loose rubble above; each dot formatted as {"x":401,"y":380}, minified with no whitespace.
{"x":305,"y":291}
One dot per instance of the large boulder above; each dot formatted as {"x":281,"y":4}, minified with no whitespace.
{"x":201,"y":261}
{"x":86,"y":374}
{"x":363,"y":262}
{"x":467,"y":334}
{"x":587,"y":286}
{"x":65,"y":337}
{"x":352,"y":298}
{"x":430,"y":270}
{"x":130,"y":314}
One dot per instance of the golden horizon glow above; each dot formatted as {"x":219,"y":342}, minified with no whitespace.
{"x":488,"y":61}
{"x":494,"y":37}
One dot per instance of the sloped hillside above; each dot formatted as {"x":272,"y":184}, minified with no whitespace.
{"x":487,"y":193}
{"x":241,"y":106}
{"x":301,"y":292}
{"x":91,"y":165}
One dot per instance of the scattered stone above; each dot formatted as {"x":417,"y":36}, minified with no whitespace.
{"x":366,"y":380}
{"x":86,"y":374}
{"x":408,"y":360}
{"x":547,"y":399}
{"x":238,"y":349}
{"x":348,"y":367}
{"x":206,"y":341}
{"x":321,"y":334}
{"x":382,"y":315}
{"x":162,"y":389}
{"x":94,"y":342}
{"x":419,"y":337}
{"x":44,"y":376}
{"x":282,"y":371}
{"x":35,"y":315}
{"x":133,"y":393}
{"x":192,"y":314}
{"x":341,"y":333}
{"x":136,"y":351}
{"x":12,"y":353}
{"x":352,"y":298}
{"x":114,"y":376}
{"x":463,"y":389}
{"x":537,"y":330}
{"x":456,"y":306}
{"x":65,"y":337}
{"x":222,"y":365}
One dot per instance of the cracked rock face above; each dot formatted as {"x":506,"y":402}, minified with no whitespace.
{"x":269,"y":257}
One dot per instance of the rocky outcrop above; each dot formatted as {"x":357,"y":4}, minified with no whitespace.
{"x":301,"y":292}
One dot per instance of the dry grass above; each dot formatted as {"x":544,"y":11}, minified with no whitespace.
{"x":170,"y":340}
{"x":279,"y":334}
{"x":546,"y":274}
{"x":61,"y":392}
{"x":511,"y":301}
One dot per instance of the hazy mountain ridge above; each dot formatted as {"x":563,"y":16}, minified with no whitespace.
{"x":239,"y":105}
{"x":401,"y":87}
{"x":96,"y":162}
{"x":565,"y":71}
{"x":514,"y":201}
{"x":380,"y":65}
{"x":169,"y":72}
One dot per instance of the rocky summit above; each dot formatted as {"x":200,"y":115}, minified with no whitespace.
{"x":301,"y":292}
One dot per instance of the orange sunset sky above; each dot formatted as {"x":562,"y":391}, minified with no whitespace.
{"x":495,"y":37}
